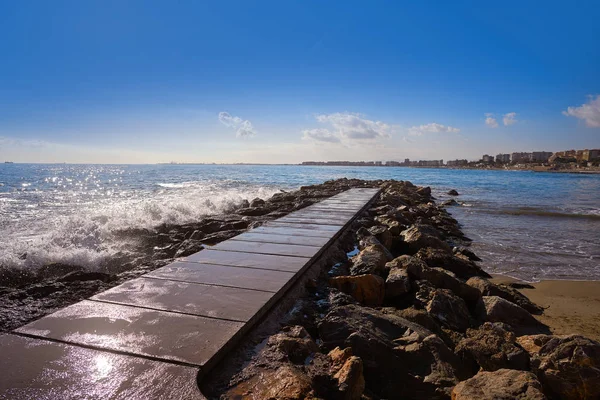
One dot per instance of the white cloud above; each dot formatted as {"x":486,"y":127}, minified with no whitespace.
{"x":354,"y":126}
{"x":243,"y":128}
{"x":589,"y":112}
{"x":320,"y":135}
{"x":490,"y":120}
{"x":509,"y":118}
{"x":431,"y":128}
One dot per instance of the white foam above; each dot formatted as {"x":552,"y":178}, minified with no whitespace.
{"x":82,"y":232}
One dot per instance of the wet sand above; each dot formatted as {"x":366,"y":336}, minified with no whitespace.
{"x":570,"y":306}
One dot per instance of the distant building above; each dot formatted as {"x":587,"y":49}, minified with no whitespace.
{"x":487,"y":159}
{"x":503,"y":158}
{"x":541,"y":156}
{"x":516,"y":158}
{"x":457,"y":163}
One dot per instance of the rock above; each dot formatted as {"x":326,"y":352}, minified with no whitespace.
{"x":253,"y":211}
{"x":424,"y":191}
{"x":368,"y":289}
{"x":569,"y":367}
{"x":400,"y":359}
{"x":81,"y":276}
{"x":487,"y":288}
{"x":492,"y":346}
{"x":503,"y":384}
{"x":339,"y":269}
{"x":497,"y":309}
{"x":347,"y":370}
{"x":257,"y":202}
{"x":197,"y":235}
{"x":382,"y":234}
{"x":466,"y":252}
{"x":450,"y":310}
{"x":217,"y":237}
{"x":370,"y":260}
{"x":440,"y":279}
{"x":450,"y":202}
{"x":463,"y":268}
{"x":397,"y":283}
{"x":533,"y":343}
{"x":286,"y":382}
{"x":188,"y":247}
{"x":452,"y":192}
{"x":419,"y":236}
{"x":295,"y":342}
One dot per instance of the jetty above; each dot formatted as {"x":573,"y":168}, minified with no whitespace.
{"x":152,"y":337}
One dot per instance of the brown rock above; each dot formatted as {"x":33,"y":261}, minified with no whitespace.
{"x":371,"y":260}
{"x":569,"y":367}
{"x":367,"y":289}
{"x":382,"y":234}
{"x":401,"y":359}
{"x":504,"y":384}
{"x":492,"y":347}
{"x":286,"y":383}
{"x":487,"y":288}
{"x":449,"y":309}
{"x":497,"y":309}
{"x":419,"y":236}
{"x":347,"y":370}
{"x":461,"y":267}
{"x":533,"y":343}
{"x":397,"y":283}
{"x":440,"y":278}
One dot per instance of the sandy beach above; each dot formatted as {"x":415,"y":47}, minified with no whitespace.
{"x":570,"y":306}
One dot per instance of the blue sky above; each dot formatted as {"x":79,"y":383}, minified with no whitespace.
{"x":288,"y":81}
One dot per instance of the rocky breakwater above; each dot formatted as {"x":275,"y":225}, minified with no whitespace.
{"x":413,"y":316}
{"x":30,"y":293}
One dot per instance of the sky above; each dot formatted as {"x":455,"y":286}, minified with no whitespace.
{"x":291,"y":81}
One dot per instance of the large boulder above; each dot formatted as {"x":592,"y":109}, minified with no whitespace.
{"x":382,"y":234}
{"x":461,"y":267}
{"x":286,"y":382}
{"x":487,"y":288}
{"x":569,"y":367}
{"x":367,"y":289}
{"x":491,"y":347}
{"x":370,"y":260}
{"x":419,"y":236}
{"x":347,"y":370}
{"x":503,"y":384}
{"x":497,"y":309}
{"x":397,"y":283}
{"x":450,"y":310}
{"x":401,"y":359}
{"x":439,"y":278}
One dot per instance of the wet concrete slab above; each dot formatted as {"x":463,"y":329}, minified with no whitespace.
{"x":311,"y":220}
{"x":246,"y":278}
{"x":278,"y":228}
{"x":264,"y":236}
{"x":191,"y":298}
{"x":248,"y":260}
{"x":34,"y":369}
{"x":330,"y":229}
{"x":268,"y":248}
{"x":161,"y":335}
{"x":340,"y":218}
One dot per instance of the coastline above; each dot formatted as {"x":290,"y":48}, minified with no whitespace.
{"x":570,"y":307}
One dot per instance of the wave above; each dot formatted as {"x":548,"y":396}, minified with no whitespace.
{"x":552,"y":214}
{"x":89,"y":234}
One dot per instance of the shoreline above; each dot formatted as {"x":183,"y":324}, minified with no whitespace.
{"x":570,"y":306}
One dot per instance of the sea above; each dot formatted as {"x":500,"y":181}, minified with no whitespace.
{"x":528,"y":225}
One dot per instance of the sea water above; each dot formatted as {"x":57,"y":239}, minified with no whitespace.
{"x":524,"y":224}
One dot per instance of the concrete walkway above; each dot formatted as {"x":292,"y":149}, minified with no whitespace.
{"x":147,"y":338}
